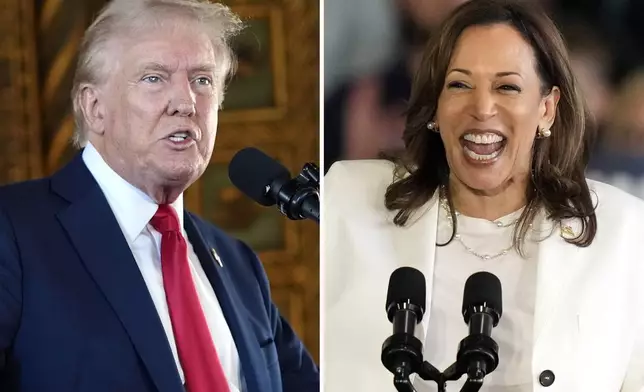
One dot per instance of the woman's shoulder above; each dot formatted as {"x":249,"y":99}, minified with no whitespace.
{"x":611,"y":200}
{"x":364,"y":171}
{"x":358,"y":183}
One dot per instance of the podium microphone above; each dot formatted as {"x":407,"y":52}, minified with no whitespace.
{"x":405,"y":306}
{"x":268,"y":182}
{"x":482,"y":310}
{"x":478,"y":353}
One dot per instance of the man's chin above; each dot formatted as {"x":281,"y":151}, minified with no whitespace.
{"x":177,"y":175}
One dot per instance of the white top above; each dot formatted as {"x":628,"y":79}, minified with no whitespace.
{"x":518,"y":276}
{"x":133,"y":210}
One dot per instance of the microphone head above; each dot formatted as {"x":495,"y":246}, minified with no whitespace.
{"x":482,"y":289}
{"x":406,"y":285}
{"x":252,"y":172}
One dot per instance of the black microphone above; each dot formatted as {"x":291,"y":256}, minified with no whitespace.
{"x":405,"y":306}
{"x":482,"y":309}
{"x":268,"y":182}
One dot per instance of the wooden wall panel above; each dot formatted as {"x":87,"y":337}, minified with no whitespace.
{"x":271,"y":104}
{"x":20,"y":153}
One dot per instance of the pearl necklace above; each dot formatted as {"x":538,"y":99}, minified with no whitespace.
{"x":457,"y":236}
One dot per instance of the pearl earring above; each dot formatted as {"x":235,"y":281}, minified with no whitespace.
{"x":432,"y":127}
{"x":544,"y":133}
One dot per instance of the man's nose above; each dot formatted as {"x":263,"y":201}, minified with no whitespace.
{"x":184,"y":109}
{"x":182,"y":101}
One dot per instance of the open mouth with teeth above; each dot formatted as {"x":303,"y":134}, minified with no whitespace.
{"x":179,"y":137}
{"x":483,"y":147}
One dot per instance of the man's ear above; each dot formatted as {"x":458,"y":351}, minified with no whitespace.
{"x":92,"y":105}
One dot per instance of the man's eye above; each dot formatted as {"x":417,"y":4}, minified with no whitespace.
{"x":204,"y":81}
{"x":152,"y":79}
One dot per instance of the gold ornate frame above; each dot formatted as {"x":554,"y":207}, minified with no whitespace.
{"x":278,"y":65}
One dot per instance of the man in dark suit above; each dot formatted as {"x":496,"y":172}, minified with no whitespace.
{"x":106,"y":284}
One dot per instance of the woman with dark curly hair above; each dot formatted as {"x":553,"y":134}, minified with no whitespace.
{"x":492,"y":179}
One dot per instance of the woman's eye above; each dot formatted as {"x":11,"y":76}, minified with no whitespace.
{"x":456,"y":85}
{"x":510,"y":87}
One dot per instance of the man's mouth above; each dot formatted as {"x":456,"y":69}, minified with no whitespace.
{"x":180,"y":136}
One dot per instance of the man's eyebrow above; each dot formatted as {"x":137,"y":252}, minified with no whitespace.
{"x":209,"y":68}
{"x":155,"y":66}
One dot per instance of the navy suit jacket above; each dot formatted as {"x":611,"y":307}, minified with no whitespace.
{"x":76,"y":315}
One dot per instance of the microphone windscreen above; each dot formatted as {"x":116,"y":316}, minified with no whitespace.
{"x":252,"y":171}
{"x":483,"y":288}
{"x":406,"y":284}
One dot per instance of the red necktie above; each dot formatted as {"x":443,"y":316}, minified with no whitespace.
{"x":197,"y":353}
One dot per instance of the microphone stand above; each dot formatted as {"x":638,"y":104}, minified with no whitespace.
{"x":477,"y":356}
{"x":454,"y":372}
{"x":305,"y":190}
{"x":427,"y":372}
{"x":430,"y":373}
{"x":402,"y":355}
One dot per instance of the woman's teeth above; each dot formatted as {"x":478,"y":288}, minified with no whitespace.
{"x":486,"y":138}
{"x":483,"y":146}
{"x":480,"y":157}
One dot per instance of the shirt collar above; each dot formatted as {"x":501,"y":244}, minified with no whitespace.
{"x":132,"y":208}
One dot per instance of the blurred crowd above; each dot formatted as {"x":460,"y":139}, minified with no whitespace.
{"x":372,"y":47}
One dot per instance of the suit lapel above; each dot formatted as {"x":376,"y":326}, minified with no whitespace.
{"x":253,"y":369}
{"x":94,"y":231}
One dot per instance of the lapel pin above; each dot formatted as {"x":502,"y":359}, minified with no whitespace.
{"x":566,"y":231}
{"x":216,"y":256}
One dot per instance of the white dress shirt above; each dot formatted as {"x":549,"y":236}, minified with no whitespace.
{"x":133,"y":210}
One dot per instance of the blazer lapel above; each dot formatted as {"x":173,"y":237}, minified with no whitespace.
{"x":415,"y":246}
{"x":254,"y":371}
{"x":95,"y":233}
{"x":558,"y":263}
{"x":556,"y":328}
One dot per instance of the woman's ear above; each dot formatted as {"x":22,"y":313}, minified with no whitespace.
{"x":549,"y":108}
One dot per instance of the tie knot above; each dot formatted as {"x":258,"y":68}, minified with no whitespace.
{"x":165,"y":219}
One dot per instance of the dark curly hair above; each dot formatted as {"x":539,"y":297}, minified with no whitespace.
{"x":558,"y":162}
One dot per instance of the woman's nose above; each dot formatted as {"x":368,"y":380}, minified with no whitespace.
{"x":483,"y":105}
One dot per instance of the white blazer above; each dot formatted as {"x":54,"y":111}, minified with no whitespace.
{"x":589,"y":311}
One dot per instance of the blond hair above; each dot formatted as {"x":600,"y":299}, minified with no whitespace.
{"x":121,"y":17}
